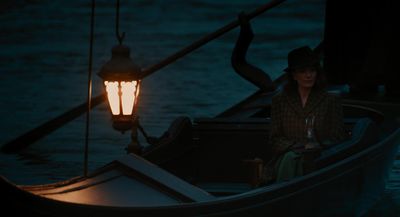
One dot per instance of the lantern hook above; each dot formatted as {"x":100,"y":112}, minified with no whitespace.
{"x":120,"y":37}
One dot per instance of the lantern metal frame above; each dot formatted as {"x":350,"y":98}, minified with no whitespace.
{"x":118,"y":69}
{"x":121,"y":68}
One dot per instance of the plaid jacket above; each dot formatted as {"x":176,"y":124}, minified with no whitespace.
{"x":288,"y":119}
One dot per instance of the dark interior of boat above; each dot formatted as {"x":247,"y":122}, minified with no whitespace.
{"x":221,"y":155}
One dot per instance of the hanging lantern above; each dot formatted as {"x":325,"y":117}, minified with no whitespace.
{"x":121,"y":79}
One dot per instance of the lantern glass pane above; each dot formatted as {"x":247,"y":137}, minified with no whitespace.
{"x":113,"y":96}
{"x":128,"y":96}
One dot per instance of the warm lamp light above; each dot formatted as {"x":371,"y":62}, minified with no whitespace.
{"x":121,"y":79}
{"x":122,"y":96}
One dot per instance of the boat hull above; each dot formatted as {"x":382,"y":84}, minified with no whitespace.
{"x":347,"y":188}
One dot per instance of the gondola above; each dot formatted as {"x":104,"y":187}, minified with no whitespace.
{"x":211,"y":166}
{"x":191,"y":173}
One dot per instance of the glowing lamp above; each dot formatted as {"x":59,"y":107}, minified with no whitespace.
{"x":121,"y":79}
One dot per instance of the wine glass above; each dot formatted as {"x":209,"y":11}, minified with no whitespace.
{"x":310,"y":132}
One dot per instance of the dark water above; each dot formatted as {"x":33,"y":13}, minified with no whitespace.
{"x":44,"y":63}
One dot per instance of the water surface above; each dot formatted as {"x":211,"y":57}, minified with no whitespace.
{"x":44,"y":64}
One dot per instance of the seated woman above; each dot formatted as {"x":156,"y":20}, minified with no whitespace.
{"x":304,"y":117}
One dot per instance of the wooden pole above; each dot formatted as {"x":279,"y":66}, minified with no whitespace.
{"x":89,"y":95}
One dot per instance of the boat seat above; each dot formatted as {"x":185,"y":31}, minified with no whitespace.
{"x":363,"y":133}
{"x":242,"y":138}
{"x":176,"y":140}
{"x":227,"y":142}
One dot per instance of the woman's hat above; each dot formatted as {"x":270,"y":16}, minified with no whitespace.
{"x":300,"y":58}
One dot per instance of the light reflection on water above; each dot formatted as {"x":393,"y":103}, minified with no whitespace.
{"x":43,"y":66}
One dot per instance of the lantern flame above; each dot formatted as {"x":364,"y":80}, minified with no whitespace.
{"x":122,"y":93}
{"x":128,"y":96}
{"x":113,"y":96}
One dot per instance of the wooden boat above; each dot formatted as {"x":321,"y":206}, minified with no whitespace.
{"x":193,"y":174}
{"x":206,"y":167}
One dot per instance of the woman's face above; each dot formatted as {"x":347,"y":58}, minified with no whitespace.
{"x":305,"y":77}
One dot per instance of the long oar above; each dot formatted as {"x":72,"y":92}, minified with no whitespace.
{"x":37,"y":133}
